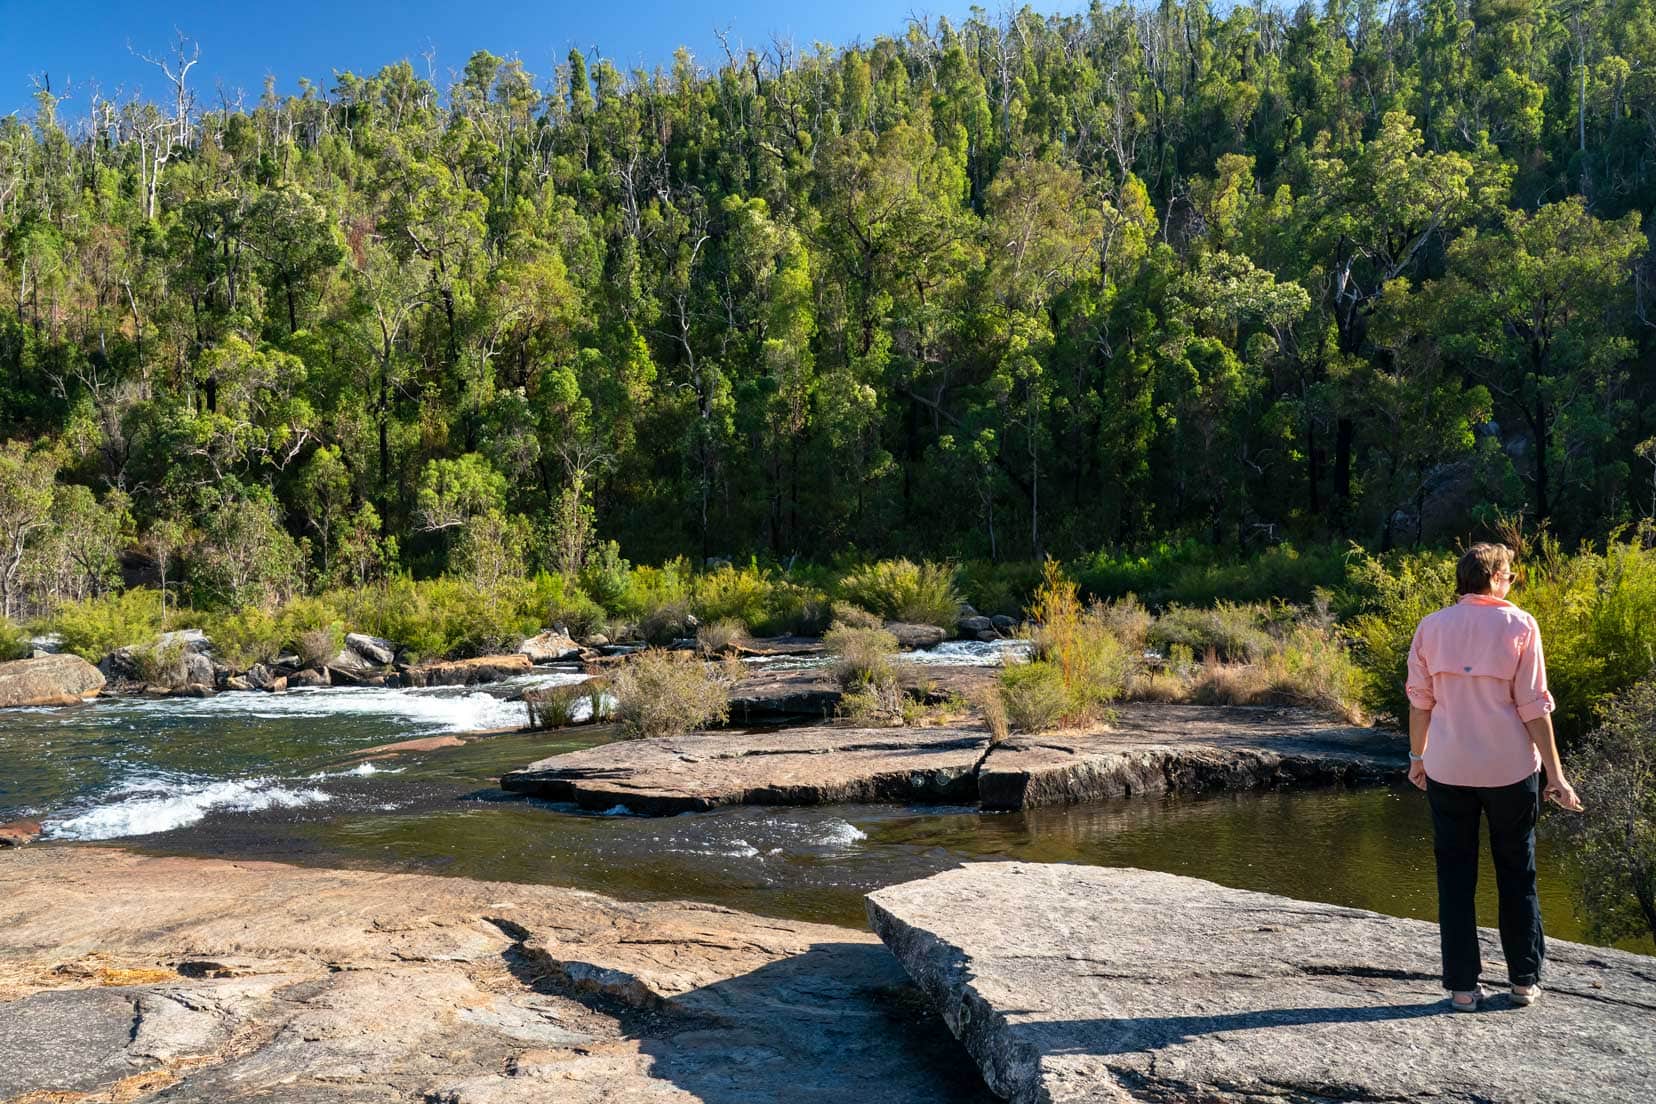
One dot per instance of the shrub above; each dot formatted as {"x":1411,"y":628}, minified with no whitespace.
{"x":667,"y":622}
{"x":662,"y":693}
{"x":1092,"y":665}
{"x":14,"y":641}
{"x":571,"y":607}
{"x":606,"y":578}
{"x":1613,"y":842}
{"x":1195,"y":573}
{"x":1385,"y":603}
{"x":1128,"y":621}
{"x":160,"y":663}
{"x":796,"y":608}
{"x":720,"y":637}
{"x":1034,"y":696}
{"x":97,"y":626}
{"x":992,"y":707}
{"x":861,"y":655}
{"x":317,"y":647}
{"x":733,"y":593}
{"x":854,"y":617}
{"x":904,"y":591}
{"x":877,"y":701}
{"x":245,"y":637}
{"x":1230,"y":632}
{"x":554,"y":706}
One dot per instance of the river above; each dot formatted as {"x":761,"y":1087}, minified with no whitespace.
{"x":278,"y":777}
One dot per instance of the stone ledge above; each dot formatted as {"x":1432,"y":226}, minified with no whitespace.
{"x":1085,"y":985}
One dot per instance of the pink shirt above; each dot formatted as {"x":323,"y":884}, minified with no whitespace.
{"x":1477,"y":666}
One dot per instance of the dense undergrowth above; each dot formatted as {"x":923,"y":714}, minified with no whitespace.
{"x":1325,"y":627}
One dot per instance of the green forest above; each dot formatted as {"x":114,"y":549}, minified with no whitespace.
{"x":1023,"y":286}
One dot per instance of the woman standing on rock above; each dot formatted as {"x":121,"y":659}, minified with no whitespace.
{"x":1480,"y":731}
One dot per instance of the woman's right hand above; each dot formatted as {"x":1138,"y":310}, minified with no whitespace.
{"x":1562,"y":794}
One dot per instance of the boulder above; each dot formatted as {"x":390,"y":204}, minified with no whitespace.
{"x":307,"y":678}
{"x":198,"y":669}
{"x":48,"y":680}
{"x":237,"y":682}
{"x":375,"y":650}
{"x":260,"y":677}
{"x":1004,"y":624}
{"x":913,"y":637}
{"x":349,"y":666}
{"x":597,"y":640}
{"x":16,"y":833}
{"x":468,"y":672}
{"x":1093,"y":985}
{"x":974,"y":626}
{"x":551,"y":646}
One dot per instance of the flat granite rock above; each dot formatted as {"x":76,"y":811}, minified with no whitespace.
{"x":793,"y":766}
{"x":1148,"y":748}
{"x":200,"y":981}
{"x":1072,"y":984}
{"x":1152,"y":747}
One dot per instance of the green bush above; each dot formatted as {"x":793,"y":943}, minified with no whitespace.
{"x":1385,"y":603}
{"x":732,"y":593}
{"x":97,"y":626}
{"x":905,"y":591}
{"x":1033,"y":696}
{"x":318,"y":647}
{"x":1231,"y":632}
{"x":877,"y":701}
{"x":1195,"y":573}
{"x":160,"y":663}
{"x":607,"y":578}
{"x":669,"y":621}
{"x":1613,"y":842}
{"x":662,"y":693}
{"x":853,"y":617}
{"x":245,"y":637}
{"x":14,"y":641}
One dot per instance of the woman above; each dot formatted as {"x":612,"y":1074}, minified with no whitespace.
{"x":1479,"y":731}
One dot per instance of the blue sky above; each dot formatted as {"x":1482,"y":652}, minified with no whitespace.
{"x":81,"y":44}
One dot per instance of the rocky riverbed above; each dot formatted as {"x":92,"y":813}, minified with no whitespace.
{"x":125,"y":978}
{"x":1093,"y":985}
{"x":1148,"y":748}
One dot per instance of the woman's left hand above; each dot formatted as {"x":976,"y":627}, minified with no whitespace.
{"x":1417,"y":773}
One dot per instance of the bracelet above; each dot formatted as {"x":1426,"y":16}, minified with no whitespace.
{"x":1413,"y":758}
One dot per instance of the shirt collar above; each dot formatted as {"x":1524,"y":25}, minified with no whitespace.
{"x":1484,"y":600}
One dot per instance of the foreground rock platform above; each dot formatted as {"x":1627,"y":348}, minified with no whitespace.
{"x":1073,"y":984}
{"x":1147,"y":748}
{"x":126,"y":978}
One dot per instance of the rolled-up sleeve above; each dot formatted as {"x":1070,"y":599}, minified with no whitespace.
{"x":1529,"y":683}
{"x":1419,"y":683}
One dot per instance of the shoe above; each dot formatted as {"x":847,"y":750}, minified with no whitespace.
{"x":1526,"y":994}
{"x":1466,"y":1000}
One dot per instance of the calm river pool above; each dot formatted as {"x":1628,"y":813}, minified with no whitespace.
{"x":274,"y":776}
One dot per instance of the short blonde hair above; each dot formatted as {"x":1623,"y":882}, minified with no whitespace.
{"x":1479,"y":566}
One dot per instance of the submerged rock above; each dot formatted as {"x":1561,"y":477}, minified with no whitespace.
{"x":48,"y":680}
{"x":211,"y":982}
{"x":1081,"y":984}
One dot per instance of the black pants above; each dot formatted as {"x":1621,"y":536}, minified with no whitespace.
{"x":1512,"y":812}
